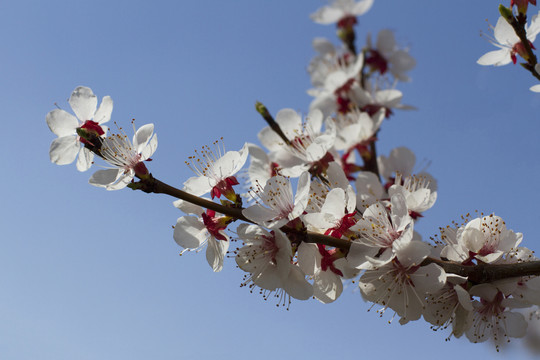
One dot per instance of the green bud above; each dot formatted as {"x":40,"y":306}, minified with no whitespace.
{"x":83,"y":133}
{"x":261,"y":109}
{"x":506,"y":13}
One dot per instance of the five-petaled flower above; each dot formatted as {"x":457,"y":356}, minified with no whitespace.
{"x":67,"y":127}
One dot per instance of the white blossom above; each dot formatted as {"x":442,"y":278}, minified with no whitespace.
{"x":267,"y":256}
{"x":126,"y":157}
{"x":281,"y":207}
{"x":508,"y":42}
{"x":69,"y":144}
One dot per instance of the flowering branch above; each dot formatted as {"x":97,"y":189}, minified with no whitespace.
{"x":351,"y":216}
{"x":477,"y":274}
{"x":153,"y":185}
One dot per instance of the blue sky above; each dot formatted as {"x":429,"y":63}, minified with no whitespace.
{"x":91,"y":274}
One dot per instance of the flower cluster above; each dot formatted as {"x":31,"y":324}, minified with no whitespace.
{"x":353,"y":212}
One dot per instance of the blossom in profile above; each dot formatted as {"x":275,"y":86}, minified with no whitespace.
{"x":206,"y":230}
{"x":486,"y":239}
{"x":126,"y":157}
{"x":416,"y":190}
{"x":340,"y":11}
{"x":509,"y":43}
{"x":325,"y":267}
{"x":88,"y":119}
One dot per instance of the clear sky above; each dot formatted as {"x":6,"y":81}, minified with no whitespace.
{"x":91,"y":274}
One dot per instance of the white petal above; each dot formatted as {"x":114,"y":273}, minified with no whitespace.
{"x":319,"y":220}
{"x":84,"y":160}
{"x":386,"y":42}
{"x":290,"y":122}
{"x":411,"y":253}
{"x":104,"y":178}
{"x":297,"y":285}
{"x":259,"y":214}
{"x":315,"y":120}
{"x":302,"y":196}
{"x":362,"y":7}
{"x":188,"y":207}
{"x":485,"y":291}
{"x":103,"y":113}
{"x":504,"y":33}
{"x":495,"y":58}
{"x":215,"y":253}
{"x":399,"y":212}
{"x":359,"y":254}
{"x":464,"y":298}
{"x":62,"y":123}
{"x":142,"y":136}
{"x":454,"y":252}
{"x":429,"y":279}
{"x":122,"y":181}
{"x":198,"y":185}
{"x":334,"y":203}
{"x":516,"y":325}
{"x":64,"y":150}
{"x":473,"y":239}
{"x":307,"y":255}
{"x":83,"y":102}
{"x":250,"y":232}
{"x":270,"y":139}
{"x":231,"y":162}
{"x":189,"y":232}
{"x":323,"y":46}
{"x":150,"y":148}
{"x":327,"y":15}
{"x":534,"y":28}
{"x":327,"y":286}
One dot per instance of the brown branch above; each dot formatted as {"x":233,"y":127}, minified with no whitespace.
{"x":478,"y":274}
{"x":485,"y":273}
{"x":156,"y":186}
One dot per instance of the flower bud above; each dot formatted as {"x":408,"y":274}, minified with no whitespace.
{"x":506,"y":13}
